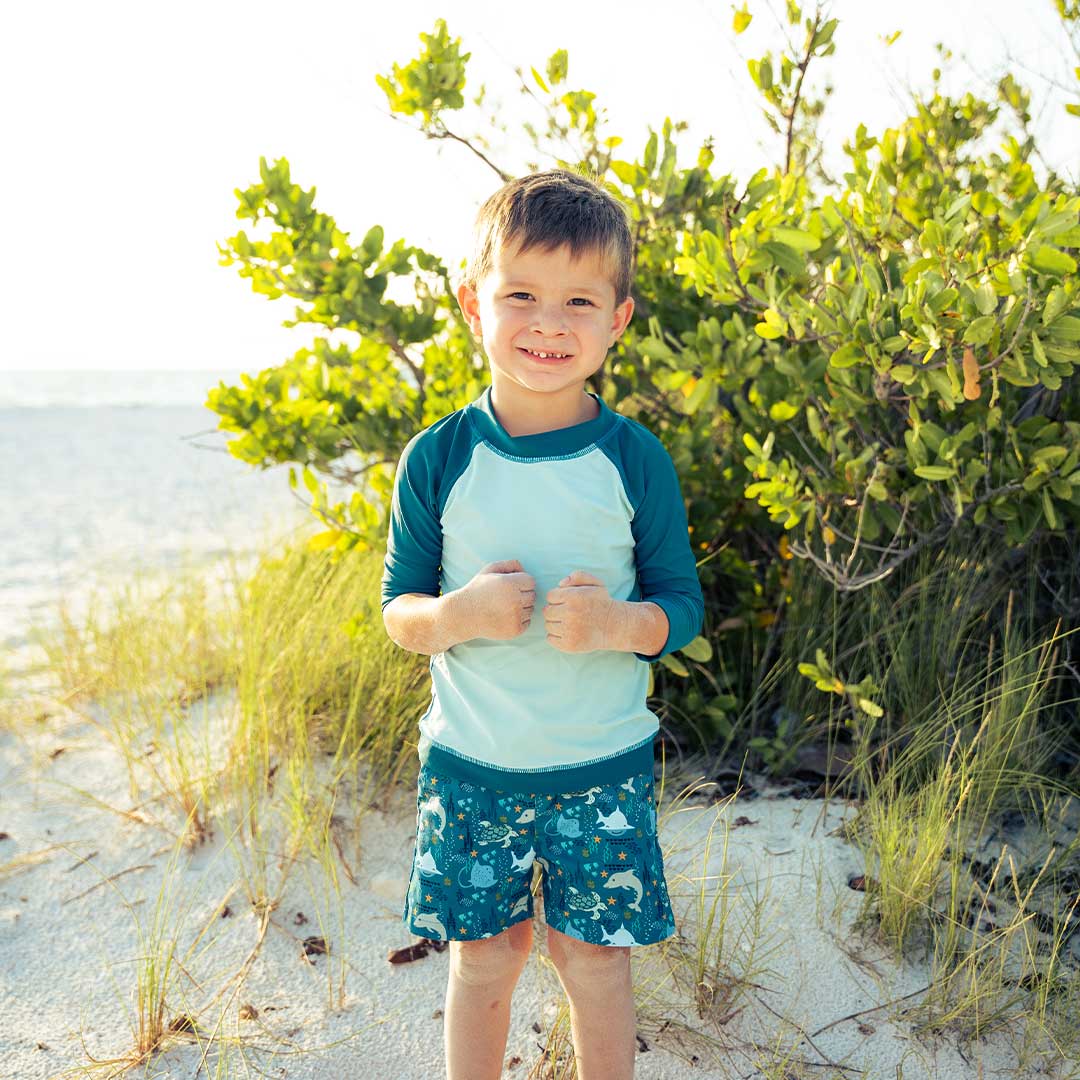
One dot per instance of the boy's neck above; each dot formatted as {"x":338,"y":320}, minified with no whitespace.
{"x":522,"y":412}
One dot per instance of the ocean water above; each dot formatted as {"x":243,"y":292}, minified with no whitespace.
{"x":103,"y":472}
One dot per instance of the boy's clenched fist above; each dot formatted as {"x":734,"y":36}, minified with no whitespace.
{"x":580,"y":615}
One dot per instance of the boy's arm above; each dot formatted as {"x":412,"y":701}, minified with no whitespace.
{"x":426,"y":624}
{"x":640,"y":626}
{"x":416,"y":617}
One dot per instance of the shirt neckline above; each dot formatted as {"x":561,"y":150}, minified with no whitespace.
{"x":560,"y":442}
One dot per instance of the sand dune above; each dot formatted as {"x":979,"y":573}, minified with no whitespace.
{"x":75,"y":876}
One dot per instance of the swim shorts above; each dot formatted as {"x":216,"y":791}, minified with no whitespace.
{"x":602,"y":867}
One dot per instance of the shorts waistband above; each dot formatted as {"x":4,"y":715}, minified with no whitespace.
{"x":553,"y":780}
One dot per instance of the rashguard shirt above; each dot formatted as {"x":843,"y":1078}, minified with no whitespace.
{"x":602,"y":496}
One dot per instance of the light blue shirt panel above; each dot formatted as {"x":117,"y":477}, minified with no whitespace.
{"x":513,"y":703}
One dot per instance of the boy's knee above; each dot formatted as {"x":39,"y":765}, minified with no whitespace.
{"x":581,"y":962}
{"x":492,"y":959}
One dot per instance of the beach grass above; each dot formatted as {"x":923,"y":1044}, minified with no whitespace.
{"x":943,"y":880}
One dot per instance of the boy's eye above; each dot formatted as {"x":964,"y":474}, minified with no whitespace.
{"x":586,"y":300}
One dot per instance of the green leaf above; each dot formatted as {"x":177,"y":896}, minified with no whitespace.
{"x":846,"y":356}
{"x":649,"y":158}
{"x":985,"y":298}
{"x":782,"y":410}
{"x":1048,"y":509}
{"x":673,"y":663}
{"x":980,"y":331}
{"x":774,"y":318}
{"x":556,"y":66}
{"x":699,"y":649}
{"x":768,"y":331}
{"x":628,"y":173}
{"x":871,"y":279}
{"x":916,"y":268}
{"x":796,"y":238}
{"x":1068,"y":354}
{"x":701,"y":392}
{"x":322,"y":540}
{"x":1056,"y":303}
{"x":372,"y":243}
{"x":1050,"y":456}
{"x":958,"y":205}
{"x":785,"y":257}
{"x":539,"y":81}
{"x":935,"y":472}
{"x":1050,"y":260}
{"x":1038,"y":351}
{"x":1066,"y":327}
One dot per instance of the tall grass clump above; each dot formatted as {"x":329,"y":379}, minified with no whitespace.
{"x":148,"y":652}
{"x":963,"y":861}
{"x":325,"y":714}
{"x":942,"y":701}
{"x":144,"y":640}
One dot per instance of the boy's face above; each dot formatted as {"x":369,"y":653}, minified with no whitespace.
{"x":545,"y":301}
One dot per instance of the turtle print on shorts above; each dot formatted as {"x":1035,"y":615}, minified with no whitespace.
{"x":602,"y":866}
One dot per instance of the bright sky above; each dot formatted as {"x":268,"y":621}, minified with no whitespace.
{"x":129,"y":125}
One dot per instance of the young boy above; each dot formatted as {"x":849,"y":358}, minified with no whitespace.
{"x":537,"y":746}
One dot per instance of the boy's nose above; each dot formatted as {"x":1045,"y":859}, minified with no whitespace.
{"x":549,"y":322}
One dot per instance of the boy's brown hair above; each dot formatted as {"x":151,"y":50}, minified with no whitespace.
{"x":550,"y":209}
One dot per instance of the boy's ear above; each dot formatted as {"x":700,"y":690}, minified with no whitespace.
{"x":621,"y":318}
{"x":470,"y":307}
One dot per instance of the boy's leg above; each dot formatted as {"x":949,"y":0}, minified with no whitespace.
{"x":476,"y":1020}
{"x":471,"y":888}
{"x":604,"y":892}
{"x":597,"y":982}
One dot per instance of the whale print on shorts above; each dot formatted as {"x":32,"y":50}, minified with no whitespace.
{"x":564,"y":826}
{"x":479,"y":876}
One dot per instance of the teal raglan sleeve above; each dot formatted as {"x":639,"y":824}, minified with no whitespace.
{"x":667,"y":571}
{"x":414,"y":540}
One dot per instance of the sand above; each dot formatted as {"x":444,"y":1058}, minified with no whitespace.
{"x":69,"y":942}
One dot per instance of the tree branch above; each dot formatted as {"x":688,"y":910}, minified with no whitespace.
{"x":446,"y":133}
{"x":845,"y":582}
{"x":798,"y":91}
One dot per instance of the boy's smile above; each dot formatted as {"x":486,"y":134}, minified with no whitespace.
{"x":544,"y":302}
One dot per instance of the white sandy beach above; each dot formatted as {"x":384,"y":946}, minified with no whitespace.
{"x":68,"y":942}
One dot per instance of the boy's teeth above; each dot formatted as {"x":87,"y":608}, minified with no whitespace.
{"x":545,"y":355}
